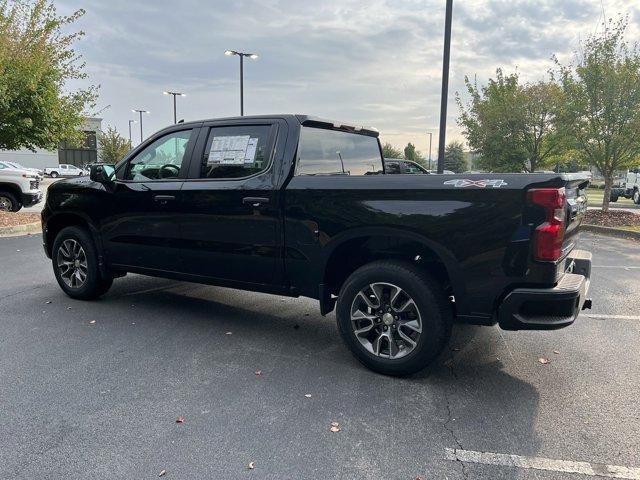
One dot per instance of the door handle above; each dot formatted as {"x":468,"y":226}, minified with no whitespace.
{"x":255,"y":201}
{"x":164,"y":198}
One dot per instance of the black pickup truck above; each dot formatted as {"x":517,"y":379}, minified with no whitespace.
{"x":299,"y":206}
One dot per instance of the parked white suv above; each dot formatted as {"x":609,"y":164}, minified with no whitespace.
{"x":18,"y":188}
{"x":65,"y":170}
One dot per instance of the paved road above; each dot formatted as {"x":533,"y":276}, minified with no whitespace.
{"x":81,"y":400}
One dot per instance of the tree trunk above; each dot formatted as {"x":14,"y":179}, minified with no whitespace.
{"x":608,"y":181}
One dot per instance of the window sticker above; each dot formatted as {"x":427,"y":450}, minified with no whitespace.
{"x":250,"y":155}
{"x":229,"y":150}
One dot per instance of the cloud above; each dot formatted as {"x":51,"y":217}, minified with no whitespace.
{"x":374,"y":62}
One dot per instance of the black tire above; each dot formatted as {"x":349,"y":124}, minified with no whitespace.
{"x":94,"y":284}
{"x":9,"y":202}
{"x":53,"y":174}
{"x":432,"y":304}
{"x":614,"y":199}
{"x":636,"y":197}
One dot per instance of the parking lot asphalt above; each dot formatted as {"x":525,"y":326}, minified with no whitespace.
{"x":93,"y":389}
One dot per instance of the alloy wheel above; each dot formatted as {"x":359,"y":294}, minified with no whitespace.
{"x":72,"y":263}
{"x":6,"y":205}
{"x":386,"y":320}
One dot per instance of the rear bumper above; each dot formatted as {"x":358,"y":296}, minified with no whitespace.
{"x":549,"y":308}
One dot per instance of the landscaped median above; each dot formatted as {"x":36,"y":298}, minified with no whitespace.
{"x":19,"y":223}
{"x":618,"y":223}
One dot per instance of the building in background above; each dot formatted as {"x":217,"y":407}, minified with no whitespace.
{"x":86,"y":152}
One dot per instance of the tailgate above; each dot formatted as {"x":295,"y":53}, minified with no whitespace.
{"x":576,"y":209}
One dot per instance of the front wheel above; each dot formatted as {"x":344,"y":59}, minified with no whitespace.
{"x":75,"y":265}
{"x":394,"y":317}
{"x":9,"y":202}
{"x":54,"y":174}
{"x":636,"y":197}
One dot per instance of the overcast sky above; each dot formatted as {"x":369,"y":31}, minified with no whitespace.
{"x":373,"y":62}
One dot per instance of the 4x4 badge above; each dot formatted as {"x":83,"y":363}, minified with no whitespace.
{"x":464,"y":182}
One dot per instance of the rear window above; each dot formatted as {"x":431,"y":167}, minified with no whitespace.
{"x":331,"y":152}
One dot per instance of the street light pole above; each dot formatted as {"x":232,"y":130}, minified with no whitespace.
{"x":130,"y":122}
{"x":140,"y":112}
{"x":430,"y":140}
{"x":253,"y":56}
{"x":175,"y":94}
{"x":445,"y":84}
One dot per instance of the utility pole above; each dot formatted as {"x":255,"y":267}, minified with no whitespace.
{"x":445,"y":84}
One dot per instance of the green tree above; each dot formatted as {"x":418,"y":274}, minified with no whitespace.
{"x":602,"y":111}
{"x":410,"y":153}
{"x":37,"y":60}
{"x":113,"y":146}
{"x":389,"y":151}
{"x":513,"y":127}
{"x":454,"y":157}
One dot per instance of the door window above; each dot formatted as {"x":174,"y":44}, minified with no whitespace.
{"x":160,"y":160}
{"x":236,"y":152}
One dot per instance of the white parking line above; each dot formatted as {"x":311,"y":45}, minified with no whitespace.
{"x":539,"y":463}
{"x":612,"y":317}
{"x":615,"y":266}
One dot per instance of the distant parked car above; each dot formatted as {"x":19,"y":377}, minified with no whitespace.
{"x":401,"y":166}
{"x":17,"y":166}
{"x":65,"y":170}
{"x":18,"y":188}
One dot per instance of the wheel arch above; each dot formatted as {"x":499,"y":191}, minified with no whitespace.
{"x":56,"y":222}
{"x":347,"y":252}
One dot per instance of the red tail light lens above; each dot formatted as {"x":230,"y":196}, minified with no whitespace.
{"x":547,"y":238}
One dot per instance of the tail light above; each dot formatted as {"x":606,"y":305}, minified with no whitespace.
{"x":547,"y":238}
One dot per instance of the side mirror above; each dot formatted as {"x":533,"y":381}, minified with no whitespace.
{"x":102,"y":173}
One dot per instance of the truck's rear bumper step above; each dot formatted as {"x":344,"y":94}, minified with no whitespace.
{"x":549,"y":308}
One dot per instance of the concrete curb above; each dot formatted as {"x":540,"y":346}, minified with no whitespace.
{"x":612,"y":232}
{"x":35,"y":227}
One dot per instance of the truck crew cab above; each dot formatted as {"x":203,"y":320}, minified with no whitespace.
{"x":299,"y":206}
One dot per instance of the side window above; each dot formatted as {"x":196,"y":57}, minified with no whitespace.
{"x":392,"y":167}
{"x":161,"y":160}
{"x":332,"y":152}
{"x":236,"y":152}
{"x":409,"y":168}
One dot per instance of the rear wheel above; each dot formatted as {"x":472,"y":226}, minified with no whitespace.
{"x":54,"y":174}
{"x":75,"y":264}
{"x":394,"y":317}
{"x":9,"y":202}
{"x":636,"y":197}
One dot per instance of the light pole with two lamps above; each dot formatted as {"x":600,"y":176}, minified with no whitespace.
{"x":175,"y":94}
{"x":253,"y":56}
{"x":140,"y":112}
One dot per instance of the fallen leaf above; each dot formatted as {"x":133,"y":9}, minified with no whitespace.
{"x":251,"y":465}
{"x":258,"y":372}
{"x":543,"y":360}
{"x":556,"y":352}
{"x":68,"y":308}
{"x":419,"y":477}
{"x":180,"y":419}
{"x":308,"y":395}
{"x":229,"y":333}
{"x":162,"y":473}
{"x":92,"y":322}
{"x":17,"y":250}
{"x":335,"y":429}
{"x":455,"y":349}
{"x":335,"y":424}
{"x":48,"y":302}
